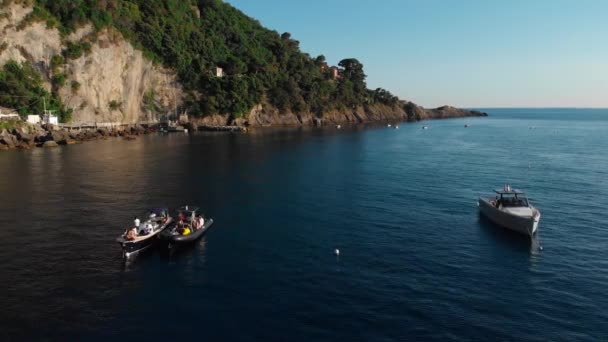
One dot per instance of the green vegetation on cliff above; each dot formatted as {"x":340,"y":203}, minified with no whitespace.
{"x":21,"y":88}
{"x":196,"y":37}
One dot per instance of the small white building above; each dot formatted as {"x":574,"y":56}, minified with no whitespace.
{"x":219,"y":72}
{"x":50,"y":119}
{"x":33,"y":119}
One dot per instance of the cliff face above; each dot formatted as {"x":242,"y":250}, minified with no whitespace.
{"x":112,"y":82}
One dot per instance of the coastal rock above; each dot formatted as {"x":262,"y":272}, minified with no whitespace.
{"x":241,"y":122}
{"x":212,"y":120}
{"x":445,"y":112}
{"x":270,"y":116}
{"x":266,"y":115}
{"x":7,"y":139}
{"x":50,"y":143}
{"x":39,"y":134}
{"x":138,"y":129}
{"x":23,"y":145}
{"x":59,"y":137}
{"x":103,"y":132}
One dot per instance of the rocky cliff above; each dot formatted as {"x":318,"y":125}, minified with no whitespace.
{"x":266,"y":115}
{"x":105,"y":79}
{"x":111,"y":82}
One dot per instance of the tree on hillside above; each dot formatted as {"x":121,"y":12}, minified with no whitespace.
{"x":21,"y":89}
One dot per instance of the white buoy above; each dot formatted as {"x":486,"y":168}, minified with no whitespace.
{"x":396,"y":126}
{"x":338,"y":127}
{"x":337,"y":251}
{"x":389,"y":125}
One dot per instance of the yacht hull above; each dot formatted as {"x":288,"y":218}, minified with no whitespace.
{"x":523,"y":225}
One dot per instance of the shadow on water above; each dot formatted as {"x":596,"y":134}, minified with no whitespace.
{"x":173,"y":253}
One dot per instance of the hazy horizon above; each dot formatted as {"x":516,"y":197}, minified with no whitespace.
{"x":470,"y":54}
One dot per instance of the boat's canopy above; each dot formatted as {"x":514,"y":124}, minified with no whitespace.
{"x":509,"y":192}
{"x":514,"y":201}
{"x":188,"y":211}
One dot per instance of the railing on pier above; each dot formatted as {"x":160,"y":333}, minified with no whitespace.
{"x":96,"y":125}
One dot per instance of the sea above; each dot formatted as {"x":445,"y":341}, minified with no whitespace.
{"x":416,"y":260}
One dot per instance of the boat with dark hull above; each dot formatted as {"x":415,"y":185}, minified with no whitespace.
{"x":189,"y":227}
{"x":138,"y":239}
{"x":511,"y":209}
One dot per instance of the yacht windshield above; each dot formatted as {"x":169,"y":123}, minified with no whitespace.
{"x":513,"y":201}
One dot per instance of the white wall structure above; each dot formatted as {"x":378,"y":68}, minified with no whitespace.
{"x":33,"y":119}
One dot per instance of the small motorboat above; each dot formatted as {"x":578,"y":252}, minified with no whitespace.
{"x":511,"y":209}
{"x":425,"y":127}
{"x":137,"y":239}
{"x":189,"y":227}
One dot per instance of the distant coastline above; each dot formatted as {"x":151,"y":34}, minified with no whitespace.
{"x":19,"y":135}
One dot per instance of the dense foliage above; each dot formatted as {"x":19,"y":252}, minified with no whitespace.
{"x":195,"y":37}
{"x":21,"y":88}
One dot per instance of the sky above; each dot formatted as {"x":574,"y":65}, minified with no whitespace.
{"x":467,"y":53}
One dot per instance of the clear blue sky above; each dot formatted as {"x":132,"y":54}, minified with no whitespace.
{"x":470,"y":53}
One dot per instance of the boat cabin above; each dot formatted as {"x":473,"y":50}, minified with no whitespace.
{"x":510,"y":198}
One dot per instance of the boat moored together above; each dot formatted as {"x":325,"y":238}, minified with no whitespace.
{"x":142,"y":234}
{"x":189,"y":227}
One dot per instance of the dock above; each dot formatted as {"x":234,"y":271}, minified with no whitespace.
{"x":222,"y":128}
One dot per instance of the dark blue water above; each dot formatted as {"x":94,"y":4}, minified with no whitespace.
{"x":416,"y":262}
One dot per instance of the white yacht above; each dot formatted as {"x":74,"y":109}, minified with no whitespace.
{"x":511,"y":209}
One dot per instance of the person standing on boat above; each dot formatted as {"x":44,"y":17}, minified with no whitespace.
{"x":136,"y":222}
{"x":201,"y":221}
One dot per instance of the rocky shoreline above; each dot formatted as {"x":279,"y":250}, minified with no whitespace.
{"x":26,"y":136}
{"x":267,"y":116}
{"x":20,"y":135}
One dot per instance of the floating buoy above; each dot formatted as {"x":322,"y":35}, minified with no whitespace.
{"x":396,"y":126}
{"x":337,"y":251}
{"x":338,"y":127}
{"x":389,"y":125}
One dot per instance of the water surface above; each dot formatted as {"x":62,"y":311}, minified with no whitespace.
{"x":416,"y":261}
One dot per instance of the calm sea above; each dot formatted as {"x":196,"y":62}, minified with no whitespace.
{"x":416,"y":260}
